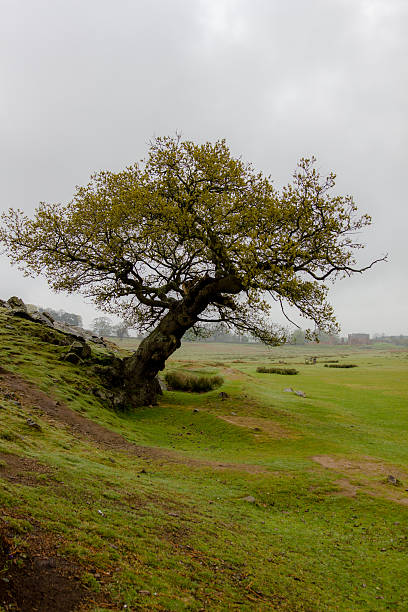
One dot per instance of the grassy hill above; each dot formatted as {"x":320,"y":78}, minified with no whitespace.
{"x":261,"y":500}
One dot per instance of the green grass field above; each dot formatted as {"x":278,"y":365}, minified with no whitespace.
{"x":261,"y":500}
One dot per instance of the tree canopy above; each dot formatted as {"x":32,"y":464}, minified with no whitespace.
{"x":192,"y":235}
{"x":140,"y":240}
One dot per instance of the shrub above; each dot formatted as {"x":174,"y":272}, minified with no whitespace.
{"x":341,"y":365}
{"x":179,"y":381}
{"x":288,"y":371}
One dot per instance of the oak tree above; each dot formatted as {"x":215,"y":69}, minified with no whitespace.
{"x":191,"y":236}
{"x":102,"y":326}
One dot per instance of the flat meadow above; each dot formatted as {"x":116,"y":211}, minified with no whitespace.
{"x":248,"y":497}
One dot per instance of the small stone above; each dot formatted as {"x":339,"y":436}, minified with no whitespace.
{"x":250,"y":499}
{"x":72,"y":358}
{"x":233,"y":414}
{"x":33,"y":424}
{"x":300,"y":393}
{"x":82,"y":349}
{"x":393,"y":480}
{"x":288,"y":390}
{"x":144,"y":592}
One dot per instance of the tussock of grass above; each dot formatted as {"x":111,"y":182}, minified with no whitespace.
{"x":341,"y":365}
{"x":286,"y":371}
{"x":178,"y":381}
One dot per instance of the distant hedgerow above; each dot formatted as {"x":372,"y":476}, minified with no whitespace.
{"x":341,"y":365}
{"x":289,"y":371}
{"x":179,"y":381}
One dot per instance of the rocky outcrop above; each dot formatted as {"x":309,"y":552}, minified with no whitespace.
{"x":78,"y":332}
{"x":106,"y":364}
{"x":16,"y":303}
{"x":17,"y":308}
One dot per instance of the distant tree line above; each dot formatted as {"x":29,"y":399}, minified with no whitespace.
{"x":299,"y":338}
{"x":214,"y":333}
{"x":103,"y":326}
{"x":70,"y":318}
{"x":400,"y":340}
{"x":219,"y":333}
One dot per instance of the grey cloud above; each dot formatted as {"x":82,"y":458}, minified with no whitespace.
{"x":87,"y":84}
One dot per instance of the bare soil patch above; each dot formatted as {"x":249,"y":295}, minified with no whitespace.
{"x":36,"y":579}
{"x":345,"y":488}
{"x":235,"y":374}
{"x":31,"y":397}
{"x":263,"y":426}
{"x":364,"y":465}
{"x":369,"y":475}
{"x":22,"y":470}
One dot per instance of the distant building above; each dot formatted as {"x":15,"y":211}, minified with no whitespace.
{"x":359,"y":339}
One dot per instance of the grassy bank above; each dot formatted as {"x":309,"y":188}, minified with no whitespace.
{"x":258,"y":499}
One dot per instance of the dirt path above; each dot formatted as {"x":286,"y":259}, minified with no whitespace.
{"x":29,"y":396}
{"x":367,"y":475}
{"x":261,"y":426}
{"x":21,"y":469}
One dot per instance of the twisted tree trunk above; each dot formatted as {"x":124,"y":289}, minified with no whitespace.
{"x":140,"y":383}
{"x":141,"y":369}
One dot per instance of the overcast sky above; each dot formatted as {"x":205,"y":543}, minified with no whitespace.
{"x":86,"y":84}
